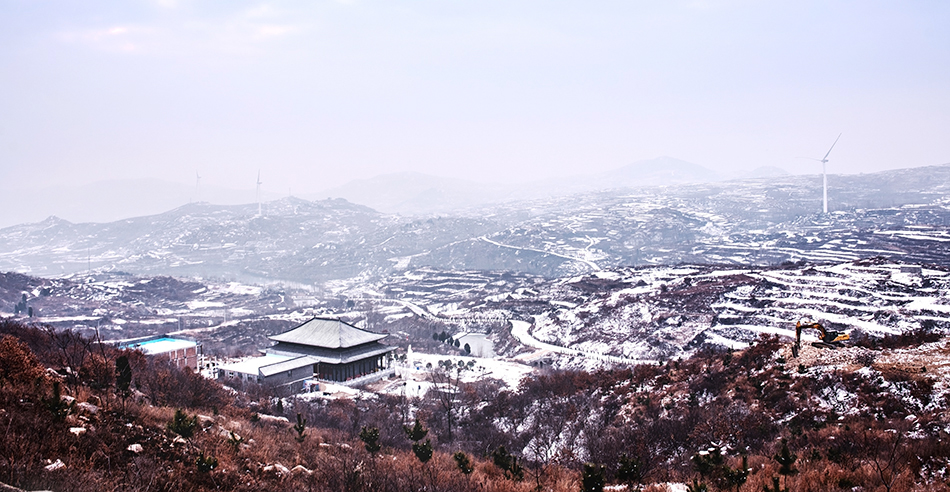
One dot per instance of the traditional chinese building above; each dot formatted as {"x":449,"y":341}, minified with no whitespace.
{"x":322,"y":348}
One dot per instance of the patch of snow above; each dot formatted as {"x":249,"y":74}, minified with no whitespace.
{"x":194,"y":305}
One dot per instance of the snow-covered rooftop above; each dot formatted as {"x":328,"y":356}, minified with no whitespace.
{"x":327,"y":333}
{"x":253,"y":365}
{"x":162,"y":345}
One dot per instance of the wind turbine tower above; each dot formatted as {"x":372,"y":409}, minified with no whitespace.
{"x":259,"y":192}
{"x":824,"y":175}
{"x":197,"y":187}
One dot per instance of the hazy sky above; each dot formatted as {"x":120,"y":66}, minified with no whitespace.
{"x":314,"y":93}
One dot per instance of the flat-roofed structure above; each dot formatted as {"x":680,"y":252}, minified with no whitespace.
{"x":271,"y":369}
{"x":328,"y":349}
{"x":182,"y":353}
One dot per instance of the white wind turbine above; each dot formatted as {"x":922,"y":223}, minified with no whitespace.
{"x":197,"y":187}
{"x":824,"y":175}
{"x":259,"y":192}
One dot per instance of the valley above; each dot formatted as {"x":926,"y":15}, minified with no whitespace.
{"x":572,"y":327}
{"x":901,"y":215}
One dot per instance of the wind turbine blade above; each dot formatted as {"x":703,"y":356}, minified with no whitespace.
{"x":832,"y":146}
{"x":809,"y":158}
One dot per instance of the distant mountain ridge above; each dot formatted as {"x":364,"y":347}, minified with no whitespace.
{"x":422,"y":194}
{"x":662,"y":171}
{"x":765,"y":221}
{"x":111,"y":200}
{"x":412,"y":193}
{"x":406,"y":193}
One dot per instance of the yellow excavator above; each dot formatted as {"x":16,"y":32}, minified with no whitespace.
{"x":828,"y":339}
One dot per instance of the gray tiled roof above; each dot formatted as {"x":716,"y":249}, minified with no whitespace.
{"x":287,"y":365}
{"x":331,"y":356}
{"x":327,"y":333}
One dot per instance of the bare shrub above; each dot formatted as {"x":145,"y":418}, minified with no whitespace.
{"x":18,"y":364}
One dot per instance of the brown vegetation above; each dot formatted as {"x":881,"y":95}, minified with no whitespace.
{"x":880,"y":431}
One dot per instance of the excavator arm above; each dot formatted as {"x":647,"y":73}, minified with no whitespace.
{"x":828,"y":339}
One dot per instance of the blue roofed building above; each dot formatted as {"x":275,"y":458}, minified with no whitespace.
{"x":182,"y":353}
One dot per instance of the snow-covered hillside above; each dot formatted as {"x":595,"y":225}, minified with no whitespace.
{"x":602,"y":318}
{"x":627,"y":274}
{"x":901,"y":215}
{"x":657,"y":313}
{"x":664,"y":312}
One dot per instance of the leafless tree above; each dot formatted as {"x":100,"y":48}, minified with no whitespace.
{"x":73,"y":349}
{"x":551,"y":428}
{"x":446,"y":389}
{"x":889,"y":450}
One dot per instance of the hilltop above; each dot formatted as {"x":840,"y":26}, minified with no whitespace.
{"x":901,"y":215}
{"x":877,"y":422}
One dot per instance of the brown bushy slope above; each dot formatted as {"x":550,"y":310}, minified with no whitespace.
{"x":129,"y":444}
{"x":874,"y":424}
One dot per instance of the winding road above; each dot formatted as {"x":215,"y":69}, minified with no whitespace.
{"x":593,"y":266}
{"x":520,"y":330}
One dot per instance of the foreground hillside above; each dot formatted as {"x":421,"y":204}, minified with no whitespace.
{"x":874,"y":421}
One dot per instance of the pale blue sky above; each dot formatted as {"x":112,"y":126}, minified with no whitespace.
{"x":315,"y":93}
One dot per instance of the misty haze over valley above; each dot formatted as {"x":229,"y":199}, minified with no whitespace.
{"x":405,"y":193}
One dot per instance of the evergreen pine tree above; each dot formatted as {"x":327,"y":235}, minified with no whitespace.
{"x":300,"y":427}
{"x":370,"y":438}
{"x":206,"y":463}
{"x":697,"y":486}
{"x":592,"y":478}
{"x":182,"y":425}
{"x":774,"y":488}
{"x":123,"y":378}
{"x":508,"y":463}
{"x":57,"y":405}
{"x":786,"y":461}
{"x":737,"y":476}
{"x":415,"y":434}
{"x":423,"y":451}
{"x":629,"y":471}
{"x":708,"y":462}
{"x":463,"y":463}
